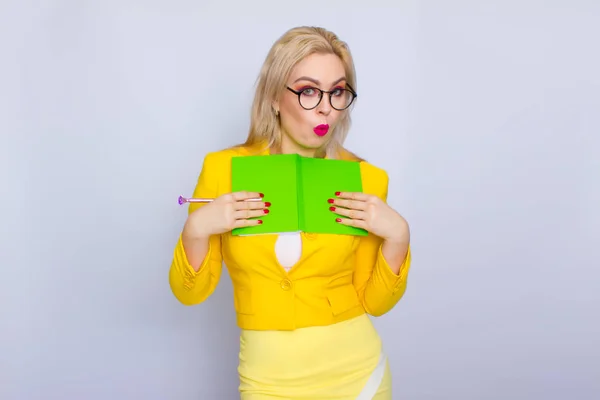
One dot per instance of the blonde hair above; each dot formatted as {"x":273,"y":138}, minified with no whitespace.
{"x":291,"y":48}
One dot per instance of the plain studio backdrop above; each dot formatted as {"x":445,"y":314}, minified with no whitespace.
{"x":485,"y":115}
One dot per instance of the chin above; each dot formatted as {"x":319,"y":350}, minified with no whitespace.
{"x":310,"y":141}
{"x":315,"y":142}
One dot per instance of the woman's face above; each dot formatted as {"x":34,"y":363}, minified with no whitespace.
{"x":305,"y":131}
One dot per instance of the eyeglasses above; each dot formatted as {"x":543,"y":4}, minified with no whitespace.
{"x":339,"y":98}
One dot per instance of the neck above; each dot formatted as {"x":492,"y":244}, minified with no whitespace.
{"x":291,"y":148}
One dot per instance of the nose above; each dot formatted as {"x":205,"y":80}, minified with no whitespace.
{"x":324,"y":106}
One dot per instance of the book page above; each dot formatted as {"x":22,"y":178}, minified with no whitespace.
{"x":275,"y":177}
{"x":320,"y":179}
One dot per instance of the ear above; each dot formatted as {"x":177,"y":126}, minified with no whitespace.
{"x":275,"y":105}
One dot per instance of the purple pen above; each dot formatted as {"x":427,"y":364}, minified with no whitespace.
{"x":183,"y":200}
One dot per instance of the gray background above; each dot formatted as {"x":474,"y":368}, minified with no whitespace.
{"x":485,"y":114}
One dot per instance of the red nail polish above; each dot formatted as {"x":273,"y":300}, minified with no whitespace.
{"x":337,"y":193}
{"x":338,"y":220}
{"x":330,"y":201}
{"x":266,"y":211}
{"x":260,"y":221}
{"x":331,"y":208}
{"x":261,"y":195}
{"x":267,"y":204}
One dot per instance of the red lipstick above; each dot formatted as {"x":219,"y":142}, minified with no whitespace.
{"x":321,"y":130}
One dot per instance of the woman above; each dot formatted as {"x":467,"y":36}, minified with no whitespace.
{"x":301,"y":300}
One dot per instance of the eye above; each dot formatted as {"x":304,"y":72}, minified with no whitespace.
{"x":308,"y":91}
{"x":337,"y":92}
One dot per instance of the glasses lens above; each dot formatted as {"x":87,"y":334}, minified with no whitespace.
{"x":309,"y":98}
{"x":341,"y":99}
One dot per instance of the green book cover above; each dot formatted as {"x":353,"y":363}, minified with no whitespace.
{"x":298,"y":189}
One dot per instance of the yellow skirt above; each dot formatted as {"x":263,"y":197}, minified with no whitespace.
{"x":335,"y":362}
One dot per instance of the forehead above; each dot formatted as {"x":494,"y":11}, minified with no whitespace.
{"x":325,"y":68}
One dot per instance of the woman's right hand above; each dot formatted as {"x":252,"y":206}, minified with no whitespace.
{"x":226,"y":212}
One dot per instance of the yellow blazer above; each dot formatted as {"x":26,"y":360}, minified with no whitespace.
{"x":337,"y":277}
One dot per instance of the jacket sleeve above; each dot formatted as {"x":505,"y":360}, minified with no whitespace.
{"x":379,"y":288}
{"x":188,"y":286}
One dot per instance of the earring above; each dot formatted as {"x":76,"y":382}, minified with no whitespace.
{"x":277,"y":113}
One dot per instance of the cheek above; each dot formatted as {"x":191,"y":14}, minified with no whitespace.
{"x":298,"y":116}
{"x":335,"y":116}
{"x":295,"y":117}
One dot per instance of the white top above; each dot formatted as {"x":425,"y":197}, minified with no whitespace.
{"x":288,"y":249}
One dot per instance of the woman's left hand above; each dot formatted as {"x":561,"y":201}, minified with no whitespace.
{"x":369,"y":212}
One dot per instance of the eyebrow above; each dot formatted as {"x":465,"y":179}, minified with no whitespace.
{"x":316,"y":82}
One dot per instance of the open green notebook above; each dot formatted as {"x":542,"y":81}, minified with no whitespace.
{"x":298,"y":189}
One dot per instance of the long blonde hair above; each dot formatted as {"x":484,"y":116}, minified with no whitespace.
{"x":292,"y":47}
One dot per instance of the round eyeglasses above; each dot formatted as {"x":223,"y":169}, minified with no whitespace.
{"x":339,"y":98}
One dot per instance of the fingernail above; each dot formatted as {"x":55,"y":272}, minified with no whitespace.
{"x":338,"y":220}
{"x":261,"y":195}
{"x":337,"y":193}
{"x":260,"y":221}
{"x":267,"y":204}
{"x":331,"y":208}
{"x":330,"y":201}
{"x":266,"y":211}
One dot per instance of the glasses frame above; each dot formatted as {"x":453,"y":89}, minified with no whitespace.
{"x":322,"y":93}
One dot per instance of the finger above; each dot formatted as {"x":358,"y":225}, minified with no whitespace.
{"x":244,"y":195}
{"x":245,"y":214}
{"x":352,"y":204}
{"x":242,"y":223}
{"x":250,"y":205}
{"x":354,"y":214}
{"x":358,"y":223}
{"x":353,"y":196}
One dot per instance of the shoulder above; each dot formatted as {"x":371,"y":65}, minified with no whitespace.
{"x":370,"y":172}
{"x":373,"y":172}
{"x":216,"y":167}
{"x":218,"y":158}
{"x":222,"y":158}
{"x":375,"y":179}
